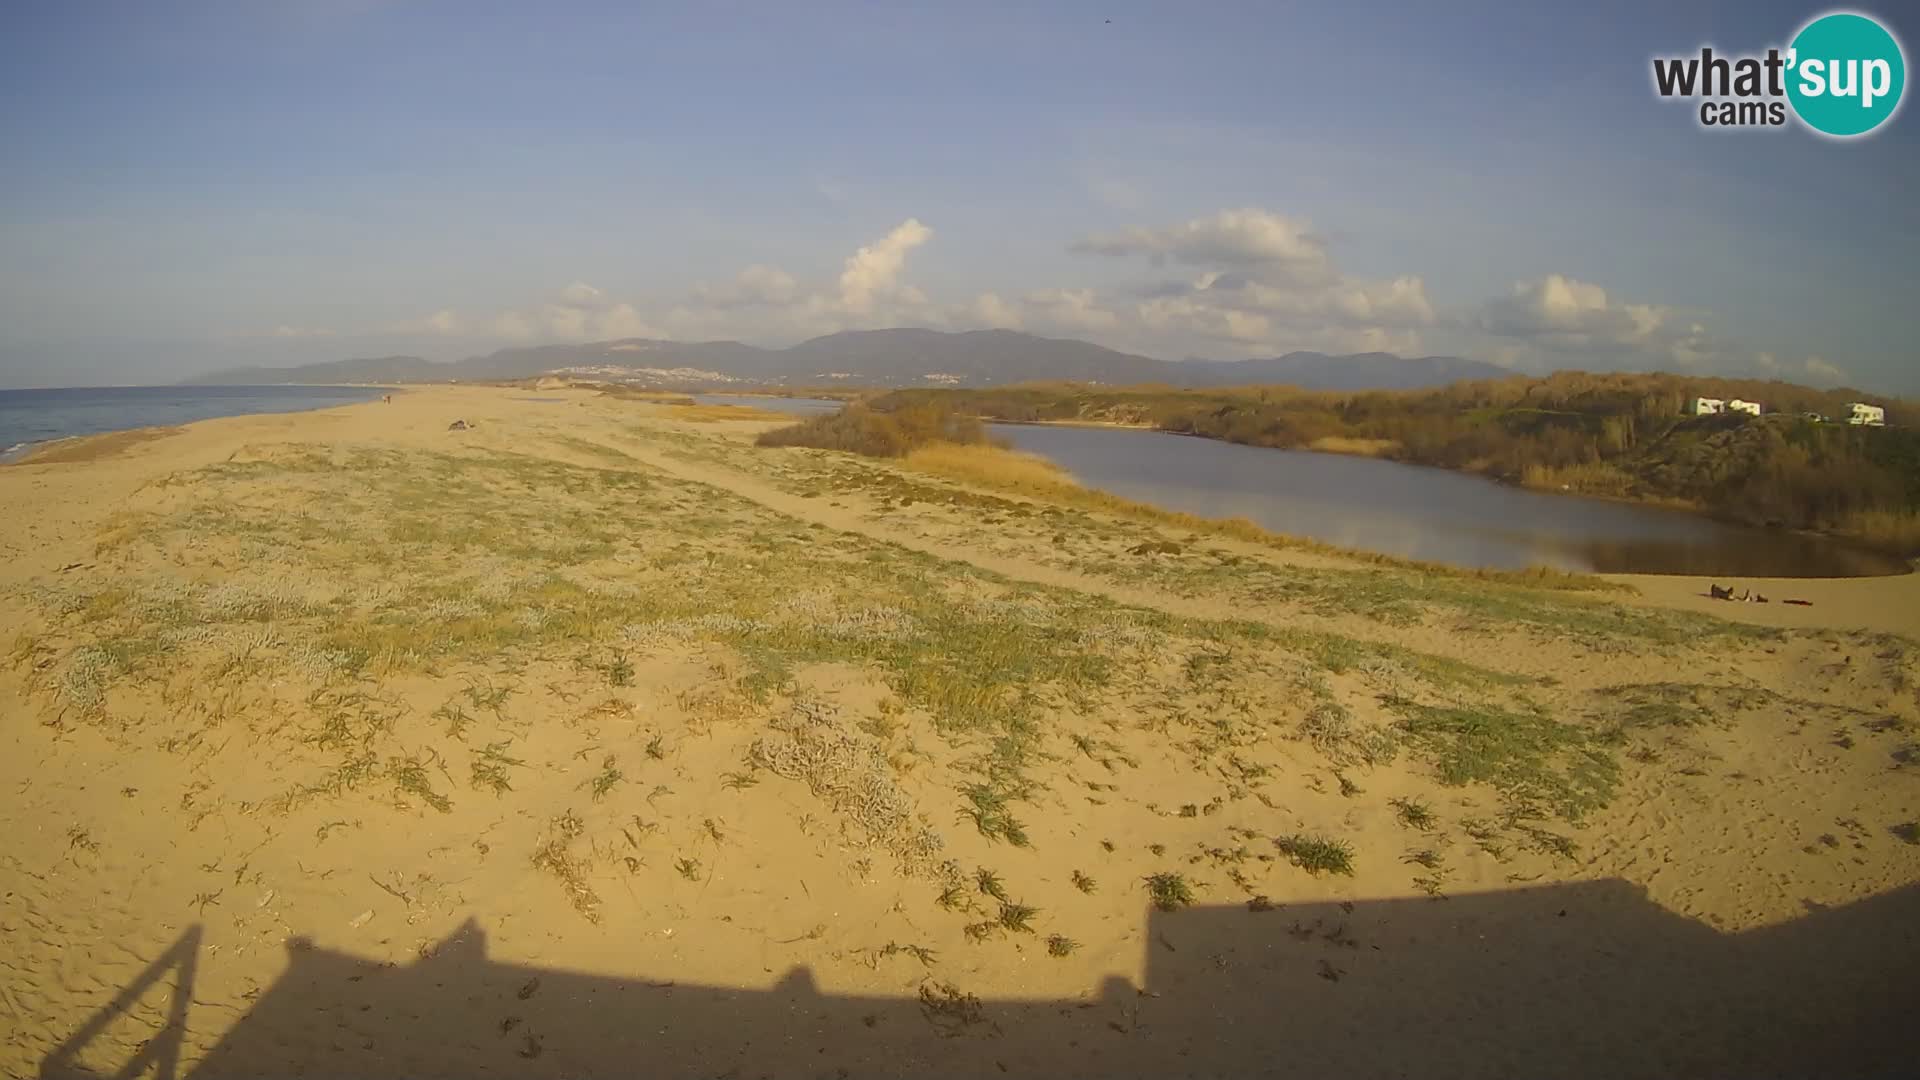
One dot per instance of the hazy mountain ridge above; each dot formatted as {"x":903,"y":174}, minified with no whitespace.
{"x":892,"y":358}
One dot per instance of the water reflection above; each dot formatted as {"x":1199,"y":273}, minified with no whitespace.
{"x":1431,"y":514}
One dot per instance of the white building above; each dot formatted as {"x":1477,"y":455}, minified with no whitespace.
{"x":1707,"y":406}
{"x":1751,"y":408}
{"x":1859,"y":412}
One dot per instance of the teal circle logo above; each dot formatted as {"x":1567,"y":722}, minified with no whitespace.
{"x":1845,"y":74}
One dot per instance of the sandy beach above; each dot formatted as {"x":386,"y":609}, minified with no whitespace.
{"x":593,"y":740}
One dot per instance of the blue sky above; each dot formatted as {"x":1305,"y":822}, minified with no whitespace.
{"x":190,"y":185}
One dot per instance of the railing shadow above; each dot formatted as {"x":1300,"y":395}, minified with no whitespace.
{"x":1586,"y":979}
{"x":160,"y":1052}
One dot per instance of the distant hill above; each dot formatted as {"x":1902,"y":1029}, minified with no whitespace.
{"x":890,"y":358}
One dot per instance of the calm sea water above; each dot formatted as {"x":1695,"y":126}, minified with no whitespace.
{"x":32,"y":416}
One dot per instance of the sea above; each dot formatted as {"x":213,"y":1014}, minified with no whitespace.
{"x":31,"y":417}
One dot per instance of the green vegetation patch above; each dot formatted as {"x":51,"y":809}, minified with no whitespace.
{"x":1536,"y":763}
{"x":862,"y":430}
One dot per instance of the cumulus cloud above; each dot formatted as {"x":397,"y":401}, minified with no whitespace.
{"x":1264,"y":281}
{"x":582,"y":295}
{"x":1820,"y":367}
{"x":583,"y":312}
{"x":1076,"y":309}
{"x":1816,"y":369}
{"x":1555,"y":320}
{"x":764,"y":302}
{"x":991,"y":310}
{"x":1231,"y":238}
{"x":443,"y":323}
{"x":622,"y":321}
{"x":1559,"y":312}
{"x":577,"y":312}
{"x":872,"y":272}
{"x":514,"y":326}
{"x":756,"y":286}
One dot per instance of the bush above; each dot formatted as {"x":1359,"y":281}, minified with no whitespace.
{"x":858,"y":429}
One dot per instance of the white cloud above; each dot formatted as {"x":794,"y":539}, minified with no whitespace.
{"x":1556,"y":321}
{"x":622,"y":321}
{"x":990,"y":309}
{"x":872,"y":271}
{"x":1266,"y":281}
{"x":1821,"y":368}
{"x":514,"y":326}
{"x":284,"y":331}
{"x":563,"y":323}
{"x":757,"y":285}
{"x":581,"y":294}
{"x":1231,"y":238}
{"x":1817,"y":369}
{"x":579,"y":312}
{"x":1559,"y":312}
{"x":1076,"y":309}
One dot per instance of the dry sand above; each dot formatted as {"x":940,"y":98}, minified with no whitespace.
{"x":1887,"y":604}
{"x":594,"y":741}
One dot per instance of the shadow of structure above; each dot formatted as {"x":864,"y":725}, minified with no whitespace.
{"x":1587,"y":979}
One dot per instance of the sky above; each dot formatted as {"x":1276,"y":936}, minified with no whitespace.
{"x":188,"y":186}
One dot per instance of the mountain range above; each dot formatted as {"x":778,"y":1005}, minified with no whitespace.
{"x":890,"y":358}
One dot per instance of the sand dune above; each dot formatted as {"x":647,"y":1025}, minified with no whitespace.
{"x":592,"y":739}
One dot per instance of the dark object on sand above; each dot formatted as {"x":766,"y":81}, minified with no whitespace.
{"x":458,"y":425}
{"x":1719,"y":593}
{"x":1799,"y":603}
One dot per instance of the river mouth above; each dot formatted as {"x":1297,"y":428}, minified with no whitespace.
{"x":1412,"y":511}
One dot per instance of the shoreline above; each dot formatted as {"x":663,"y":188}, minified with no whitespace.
{"x":35,"y":451}
{"x":1910,"y":563}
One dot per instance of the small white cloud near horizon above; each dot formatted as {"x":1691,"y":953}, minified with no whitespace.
{"x":757,"y":285}
{"x":1265,"y":283}
{"x":874,"y":270}
{"x":1815,"y":367}
{"x":1231,"y":238}
{"x":1558,"y":312}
